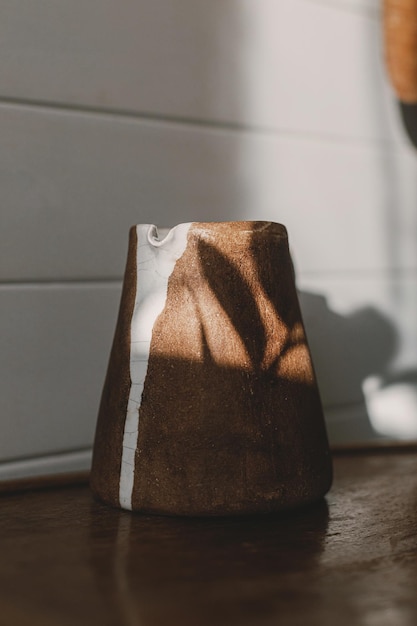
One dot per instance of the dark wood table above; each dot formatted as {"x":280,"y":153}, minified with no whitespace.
{"x":68,"y":560}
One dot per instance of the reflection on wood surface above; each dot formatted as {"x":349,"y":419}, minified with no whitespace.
{"x":350,"y":559}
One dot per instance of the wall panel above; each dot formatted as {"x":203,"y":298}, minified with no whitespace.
{"x":287,"y":65}
{"x":72,"y":184}
{"x":55,"y":345}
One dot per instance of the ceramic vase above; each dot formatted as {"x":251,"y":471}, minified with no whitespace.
{"x":210,"y":404}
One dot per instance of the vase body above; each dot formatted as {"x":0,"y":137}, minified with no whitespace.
{"x":210,"y":404}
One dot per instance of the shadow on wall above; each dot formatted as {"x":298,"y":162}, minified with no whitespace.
{"x":409,"y":118}
{"x":363,"y":400}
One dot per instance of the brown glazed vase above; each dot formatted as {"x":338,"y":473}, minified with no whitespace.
{"x":210,"y":405}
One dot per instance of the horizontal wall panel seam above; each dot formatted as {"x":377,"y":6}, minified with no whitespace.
{"x":366,"y":274}
{"x":61,"y":284}
{"x":388,"y":274}
{"x":365,"y":10}
{"x":197,"y":124}
{"x":47,"y":456}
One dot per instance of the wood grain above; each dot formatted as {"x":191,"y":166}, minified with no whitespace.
{"x":68,"y":560}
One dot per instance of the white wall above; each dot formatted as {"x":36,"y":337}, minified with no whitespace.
{"x":167,"y":111}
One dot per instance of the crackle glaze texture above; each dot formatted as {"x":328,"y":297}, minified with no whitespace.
{"x":210,"y":404}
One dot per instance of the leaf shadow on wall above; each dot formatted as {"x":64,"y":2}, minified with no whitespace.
{"x":346,"y":350}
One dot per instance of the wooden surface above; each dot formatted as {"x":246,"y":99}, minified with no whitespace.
{"x":69,"y":560}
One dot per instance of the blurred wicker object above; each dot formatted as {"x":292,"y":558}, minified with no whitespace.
{"x":400,"y":34}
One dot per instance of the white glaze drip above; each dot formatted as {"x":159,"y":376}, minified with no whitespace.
{"x":155,"y":262}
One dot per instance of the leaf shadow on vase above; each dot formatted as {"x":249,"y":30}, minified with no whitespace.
{"x":252,"y":433}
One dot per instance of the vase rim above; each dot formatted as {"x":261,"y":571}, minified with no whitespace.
{"x":158,"y":236}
